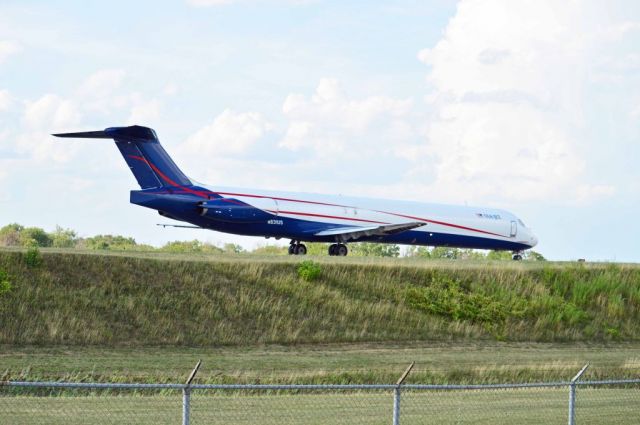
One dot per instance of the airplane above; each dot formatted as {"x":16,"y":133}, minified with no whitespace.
{"x":305,"y":217}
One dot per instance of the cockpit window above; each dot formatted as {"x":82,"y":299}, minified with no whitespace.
{"x":521,"y":223}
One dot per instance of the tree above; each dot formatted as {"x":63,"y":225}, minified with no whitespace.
{"x":114,"y":242}
{"x":368,"y":249}
{"x":10,"y":235}
{"x":191,"y":247}
{"x":271,"y":250}
{"x":63,"y":238}
{"x":499,"y":255}
{"x":534,"y":256}
{"x":418,"y":251}
{"x":35,"y":236}
{"x":471,"y":254}
{"x":445,"y":252}
{"x":317,"y":248}
{"x":232,"y":248}
{"x":507,"y":255}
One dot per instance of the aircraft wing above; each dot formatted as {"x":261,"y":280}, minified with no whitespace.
{"x":354,"y":233}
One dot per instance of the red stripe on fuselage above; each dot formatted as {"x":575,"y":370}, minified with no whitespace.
{"x":282,"y":199}
{"x":327,"y":216}
{"x":231,"y":201}
{"x":442,"y":223}
{"x":205,"y":195}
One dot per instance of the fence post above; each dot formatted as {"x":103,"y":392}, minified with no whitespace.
{"x":572,"y":395}
{"x":396,"y":406}
{"x":396,"y":395}
{"x":186,"y":405}
{"x":186,"y":395}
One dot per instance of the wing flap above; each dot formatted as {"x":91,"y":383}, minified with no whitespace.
{"x":354,"y":233}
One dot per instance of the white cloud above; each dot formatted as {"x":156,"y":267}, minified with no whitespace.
{"x":51,"y":112}
{"x":501,"y":150}
{"x":367,"y":132}
{"x":586,"y":194}
{"x":97,"y":98}
{"x":5,"y":100}
{"x":5,"y":168}
{"x":330,"y":122}
{"x":102,"y":83}
{"x":230,"y":133}
{"x":508,"y":82}
{"x":48,"y":114}
{"x":8,"y":48}
{"x":170,"y":89}
{"x":619,"y":30}
{"x":498,"y":46}
{"x":144,"y":111}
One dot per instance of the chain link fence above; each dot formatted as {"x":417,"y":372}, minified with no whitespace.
{"x":596,"y":402}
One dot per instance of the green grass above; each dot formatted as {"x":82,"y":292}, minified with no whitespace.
{"x":330,"y":364}
{"x":234,"y":300}
{"x":523,"y":406}
{"x":148,"y":317}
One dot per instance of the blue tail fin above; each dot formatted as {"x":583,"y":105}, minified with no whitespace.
{"x":141,"y":149}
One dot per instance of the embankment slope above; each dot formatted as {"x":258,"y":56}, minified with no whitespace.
{"x":144,"y":300}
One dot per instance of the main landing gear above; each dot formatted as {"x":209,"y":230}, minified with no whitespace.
{"x":297,"y":248}
{"x":338,"y":249}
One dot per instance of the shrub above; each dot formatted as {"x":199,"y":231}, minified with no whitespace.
{"x":450,"y":298}
{"x":32,"y":257}
{"x":308,"y":270}
{"x":5,"y":285}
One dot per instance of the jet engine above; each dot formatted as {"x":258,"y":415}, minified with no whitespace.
{"x":232,"y":210}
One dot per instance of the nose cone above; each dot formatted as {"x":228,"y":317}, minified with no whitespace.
{"x":533,"y":240}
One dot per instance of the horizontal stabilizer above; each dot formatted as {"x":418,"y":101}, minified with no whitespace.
{"x":85,"y":135}
{"x":133,"y":132}
{"x":354,"y":233}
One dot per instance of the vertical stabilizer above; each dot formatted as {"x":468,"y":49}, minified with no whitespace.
{"x":148,"y":161}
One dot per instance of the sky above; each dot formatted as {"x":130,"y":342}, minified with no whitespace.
{"x":528,"y":106}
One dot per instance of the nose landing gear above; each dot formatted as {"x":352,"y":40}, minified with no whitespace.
{"x":338,"y":249}
{"x":297,"y":248}
{"x":517,"y":256}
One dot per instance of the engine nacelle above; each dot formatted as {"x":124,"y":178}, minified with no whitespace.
{"x":231,"y":210}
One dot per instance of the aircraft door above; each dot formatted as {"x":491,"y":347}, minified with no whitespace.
{"x":514,"y":229}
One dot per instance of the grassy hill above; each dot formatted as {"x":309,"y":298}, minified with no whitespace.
{"x":79,"y":298}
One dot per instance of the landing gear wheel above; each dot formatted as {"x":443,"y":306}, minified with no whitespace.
{"x":341,"y":250}
{"x":333,"y":248}
{"x":301,"y":249}
{"x":292,"y":249}
{"x":517,"y":257}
